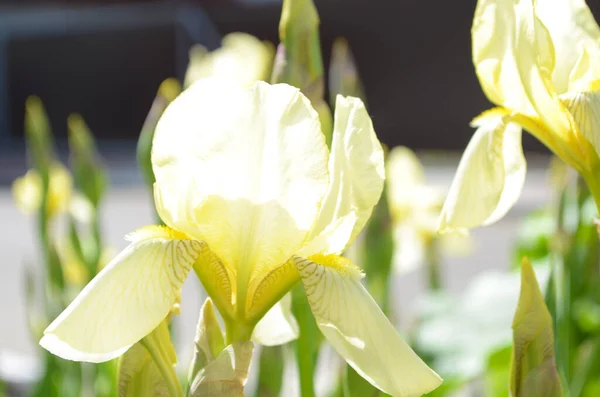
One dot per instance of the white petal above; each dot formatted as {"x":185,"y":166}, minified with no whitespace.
{"x":126,"y":300}
{"x":585,"y":108}
{"x":244,"y":170}
{"x":489,"y":178}
{"x":514,"y":59}
{"x":357,"y":328}
{"x":575,"y":34}
{"x":242,"y":58}
{"x":356,"y":168}
{"x":278,"y":326}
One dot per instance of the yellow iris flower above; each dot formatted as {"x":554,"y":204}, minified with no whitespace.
{"x":539,"y":61}
{"x":254,"y":202}
{"x":415,"y":207}
{"x":242,"y":59}
{"x":27,"y":190}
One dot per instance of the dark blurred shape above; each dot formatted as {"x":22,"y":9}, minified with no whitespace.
{"x":104,"y":62}
{"x":414,"y":59}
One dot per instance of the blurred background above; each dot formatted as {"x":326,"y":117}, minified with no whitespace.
{"x":106,"y":59}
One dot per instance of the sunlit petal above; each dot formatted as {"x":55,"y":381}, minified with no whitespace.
{"x":576,"y":39}
{"x":357,"y":328}
{"x":126,"y":300}
{"x":514,"y":59}
{"x":278,"y":326}
{"x":244,"y":170}
{"x":489,"y":178}
{"x":356,"y":167}
{"x":242,"y":58}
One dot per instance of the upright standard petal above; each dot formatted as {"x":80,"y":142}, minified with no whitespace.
{"x":244,"y":170}
{"x":356,"y":168}
{"x":242,"y":58}
{"x":576,"y":39}
{"x":357,"y":328}
{"x":489,"y":178}
{"x":126,"y":300}
{"x":514,"y":59}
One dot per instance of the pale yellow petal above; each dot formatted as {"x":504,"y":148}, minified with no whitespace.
{"x":244,"y":170}
{"x":356,"y":167}
{"x":409,"y":198}
{"x":357,"y":328}
{"x":278,"y":326}
{"x":585,"y":108}
{"x":404,"y":168}
{"x":576,"y":39}
{"x":489,"y":178}
{"x":333,"y":239}
{"x":27,"y":190}
{"x":242,"y":59}
{"x":126,"y":300}
{"x":514,"y":60}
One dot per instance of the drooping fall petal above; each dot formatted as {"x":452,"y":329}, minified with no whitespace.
{"x":357,"y":328}
{"x":126,"y":300}
{"x":489,"y":178}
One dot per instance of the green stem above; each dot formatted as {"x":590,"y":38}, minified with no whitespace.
{"x":562,"y":293}
{"x":593,"y":183}
{"x":237,"y":332}
{"x":434,"y":274}
{"x":158,"y":355}
{"x":308,"y":342}
{"x":587,"y":370}
{"x":97,"y":235}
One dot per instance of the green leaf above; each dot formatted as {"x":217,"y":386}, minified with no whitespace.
{"x":533,"y":372}
{"x":343,"y":75}
{"x":139,"y":376}
{"x":308,"y":343}
{"x":298,"y":61}
{"x":209,"y":341}
{"x":89,"y":171}
{"x":497,"y":373}
{"x":106,"y":379}
{"x":147,"y":368}
{"x":270,"y":375}
{"x":40,"y":142}
{"x":534,"y":236}
{"x":378,"y":252}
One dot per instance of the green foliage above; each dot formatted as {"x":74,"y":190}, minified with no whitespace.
{"x":142,"y":368}
{"x":343,"y":75}
{"x":307,"y":345}
{"x":270,"y":375}
{"x":61,"y":377}
{"x":298,"y":61}
{"x":533,"y":368}
{"x":497,"y":372}
{"x":88,"y":170}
